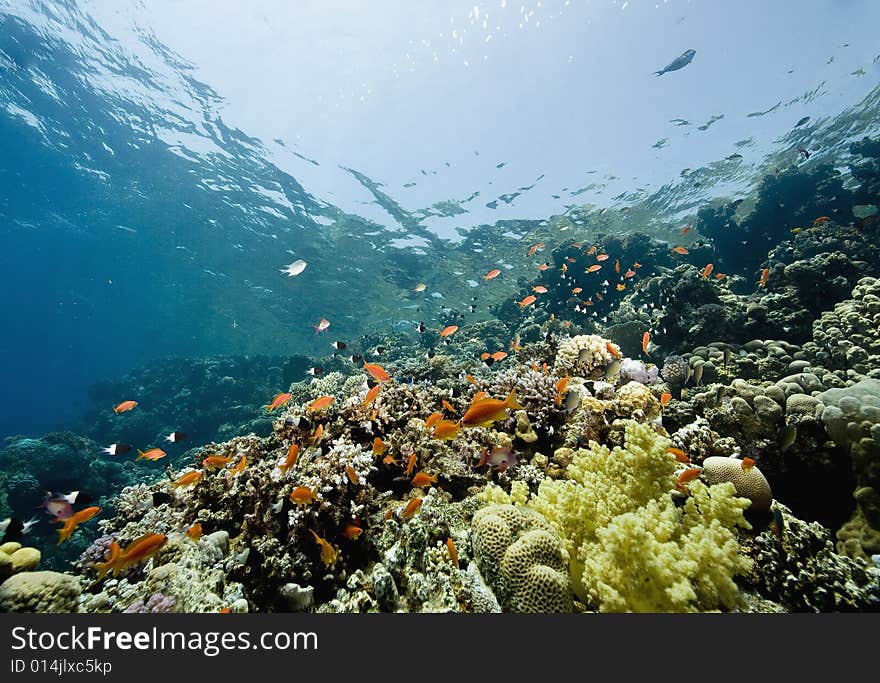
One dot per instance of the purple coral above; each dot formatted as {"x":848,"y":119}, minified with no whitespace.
{"x":96,"y":552}
{"x":632,"y":370}
{"x":155,"y":604}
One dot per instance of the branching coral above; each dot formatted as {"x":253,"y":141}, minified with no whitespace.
{"x":632,"y":548}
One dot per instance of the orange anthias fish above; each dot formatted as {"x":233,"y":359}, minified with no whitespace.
{"x":646,"y":339}
{"x":681,"y":250}
{"x":594,"y":268}
{"x":543,"y":266}
{"x":124,"y":407}
{"x":453,"y":553}
{"x":613,"y":350}
{"x":379,"y":446}
{"x":630,"y":273}
{"x":410,"y":464}
{"x":679,"y":454}
{"x":432,"y":419}
{"x":424,"y":480}
{"x":371,"y":395}
{"x":449,"y":330}
{"x":530,"y":299}
{"x":320,"y":403}
{"x":687,"y":476}
{"x":665,"y":397}
{"x":561,"y":386}
{"x":620,"y":287}
{"x":499,"y":356}
{"x":577,"y":290}
{"x":445,"y":429}
{"x":278,"y":401}
{"x":707,"y":271}
{"x":685,"y":230}
{"x":765,"y":275}
{"x":152,"y":454}
{"x":412,"y":507}
{"x":617,"y":266}
{"x":290,"y":460}
{"x":303,"y":495}
{"x":377,"y":372}
{"x":447,"y":405}
{"x":352,"y":532}
{"x":195,"y":531}
{"x":329,"y":554}
{"x":352,"y":475}
{"x":602,"y":257}
{"x":564,"y":268}
{"x":188,"y":479}
{"x":540,"y":289}
{"x":821,"y":219}
{"x":389,"y":460}
{"x":72,"y":522}
{"x":484,"y":412}
{"x":747,"y":464}
{"x":492,"y":274}
{"x":215,"y":461}
{"x":240,"y":465}
{"x":719,"y":276}
{"x":534,"y":248}
{"x":318,"y":433}
{"x":139,"y":550}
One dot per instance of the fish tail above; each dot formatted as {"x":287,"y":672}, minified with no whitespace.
{"x":141,"y":454}
{"x":658,"y":73}
{"x":64,"y":533}
{"x":103,"y":567}
{"x":512,"y":402}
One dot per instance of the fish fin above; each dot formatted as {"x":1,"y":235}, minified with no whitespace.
{"x":511,"y":401}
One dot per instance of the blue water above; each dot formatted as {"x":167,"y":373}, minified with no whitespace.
{"x":138,"y":221}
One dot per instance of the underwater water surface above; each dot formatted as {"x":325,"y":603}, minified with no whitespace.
{"x":311,"y":302}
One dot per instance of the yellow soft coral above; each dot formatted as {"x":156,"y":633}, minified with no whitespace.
{"x":632,"y":548}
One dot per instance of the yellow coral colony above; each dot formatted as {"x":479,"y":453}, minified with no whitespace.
{"x":631,"y":547}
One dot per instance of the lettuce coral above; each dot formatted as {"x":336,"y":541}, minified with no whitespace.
{"x":632,"y":547}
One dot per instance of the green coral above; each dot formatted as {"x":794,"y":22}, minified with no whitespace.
{"x":632,"y":547}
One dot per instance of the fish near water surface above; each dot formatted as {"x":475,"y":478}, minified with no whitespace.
{"x":678,"y":63}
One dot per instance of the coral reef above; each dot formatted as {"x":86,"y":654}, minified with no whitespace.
{"x":631,"y":547}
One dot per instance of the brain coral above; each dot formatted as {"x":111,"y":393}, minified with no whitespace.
{"x":632,"y":548}
{"x":522,"y":559}
{"x":749,"y":483}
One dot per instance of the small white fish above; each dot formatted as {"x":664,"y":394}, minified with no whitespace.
{"x":175,"y":437}
{"x":294,"y":268}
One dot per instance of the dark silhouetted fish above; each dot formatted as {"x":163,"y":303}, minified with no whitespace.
{"x":677,"y":63}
